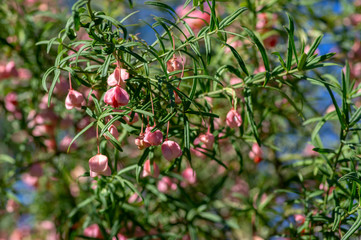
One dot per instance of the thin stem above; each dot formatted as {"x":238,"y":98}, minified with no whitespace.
{"x":90,"y":9}
{"x":151,"y":101}
{"x":97,"y":139}
{"x":183,"y":66}
{"x":173,"y":45}
{"x":70,"y":86}
{"x":166,"y":138}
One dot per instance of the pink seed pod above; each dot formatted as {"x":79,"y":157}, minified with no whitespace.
{"x":116,"y":97}
{"x":11,"y":102}
{"x":139,"y":141}
{"x":43,"y":105}
{"x":98,"y":163}
{"x":12,"y":206}
{"x":74,"y":99}
{"x":45,"y":117}
{"x":271,"y":41}
{"x":134,"y":198}
{"x":153,"y":138}
{"x":300,"y":219}
{"x":233,"y":119}
{"x":24,"y":74}
{"x":43,"y":130}
{"x":93,"y":231}
{"x":171,"y":150}
{"x":8,"y":70}
{"x":262,"y":21}
{"x":147,"y":171}
{"x":127,"y":118}
{"x":50,"y":145}
{"x":256,"y":153}
{"x":207,"y":139}
{"x":330,"y":109}
{"x":197,"y":19}
{"x":166,"y":184}
{"x":308,"y":151}
{"x":199,"y":152}
{"x":189,"y":176}
{"x":173,"y":65}
{"x":113,"y":131}
{"x":36,"y":170}
{"x":106,"y":172}
{"x":120,"y":236}
{"x":118,"y":77}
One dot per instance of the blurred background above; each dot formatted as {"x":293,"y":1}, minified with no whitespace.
{"x":46,"y":192}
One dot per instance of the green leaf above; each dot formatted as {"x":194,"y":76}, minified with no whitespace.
{"x":355,"y":117}
{"x":337,"y":214}
{"x":55,"y":80}
{"x":260,"y":47}
{"x":140,"y":163}
{"x":137,"y":56}
{"x":140,"y":111}
{"x":302,"y":62}
{"x":45,"y":76}
{"x":128,"y":16}
{"x":353,"y":176}
{"x":115,"y":22}
{"x":291,"y":39}
{"x":213,"y":23}
{"x":339,"y":113}
{"x":280,"y":59}
{"x":207,"y":43}
{"x":105,"y":66}
{"x":230,"y":19}
{"x":320,"y":124}
{"x":314,"y":46}
{"x":207,"y":114}
{"x":81,"y":205}
{"x":50,"y":43}
{"x":127,"y":169}
{"x":210,"y":216}
{"x":250,"y":115}
{"x":187,"y":138}
{"x":186,"y":3}
{"x":80,"y":133}
{"x":239,"y":154}
{"x":323,"y":150}
{"x":133,"y":188}
{"x":356,"y":225}
{"x":6,"y":158}
{"x":238,"y":58}
{"x":96,"y":103}
{"x":161,"y":5}
{"x":111,"y":139}
{"x":289,"y":53}
{"x":164,"y":120}
{"x":108,"y":124}
{"x":288,"y":99}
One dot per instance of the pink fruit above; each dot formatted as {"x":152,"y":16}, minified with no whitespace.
{"x":116,"y":97}
{"x":171,"y":150}
{"x":233,"y":119}
{"x":74,"y":99}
